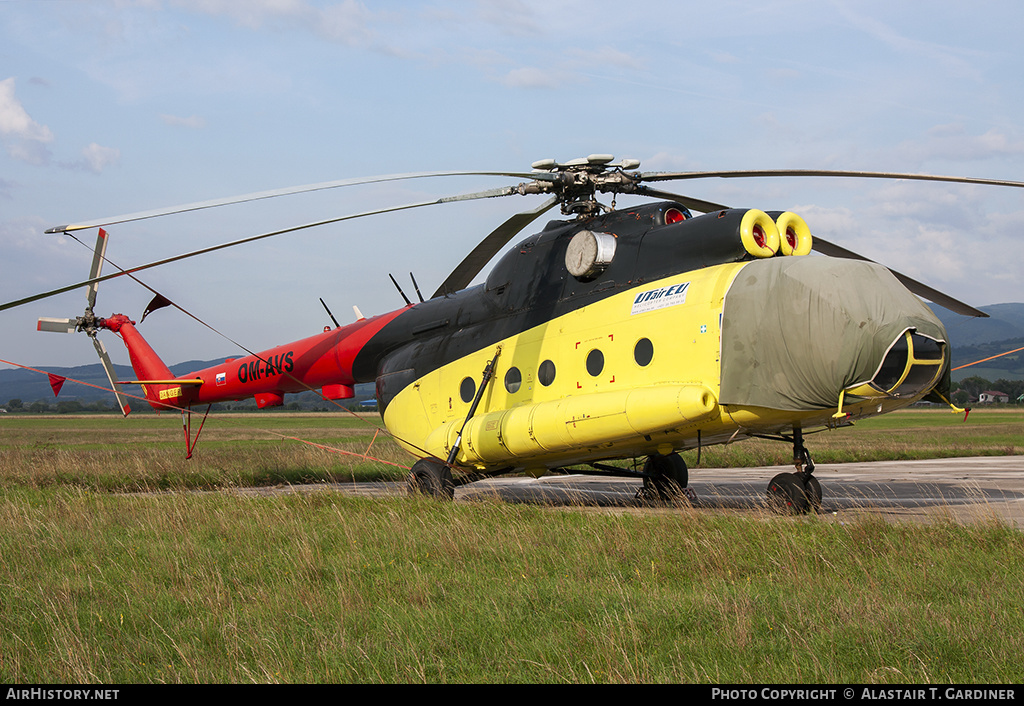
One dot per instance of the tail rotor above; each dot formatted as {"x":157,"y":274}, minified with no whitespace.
{"x":89,"y":323}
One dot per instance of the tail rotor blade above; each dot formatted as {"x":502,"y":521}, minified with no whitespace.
{"x":57,"y":325}
{"x":122,"y":401}
{"x":97,"y":265}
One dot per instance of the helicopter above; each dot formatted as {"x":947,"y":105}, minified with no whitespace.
{"x":608,"y":335}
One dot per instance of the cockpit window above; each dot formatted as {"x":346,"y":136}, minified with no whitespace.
{"x":913,"y":363}
{"x":893,"y":366}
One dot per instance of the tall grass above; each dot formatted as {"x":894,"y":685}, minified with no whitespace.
{"x":147,"y":453}
{"x":114,"y":587}
{"x":110,"y":453}
{"x":320,"y":587}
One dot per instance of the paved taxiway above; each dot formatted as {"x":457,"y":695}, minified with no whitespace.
{"x":964,"y":489}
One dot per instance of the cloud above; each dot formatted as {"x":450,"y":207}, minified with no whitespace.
{"x":952,"y":142}
{"x":195,"y":122}
{"x":95,"y":158}
{"x":511,"y":17}
{"x":532,"y":77}
{"x":604,"y":58}
{"x":24,"y":137}
{"x":247,"y":13}
{"x":723,"y":57}
{"x":953,"y":60}
{"x":344,"y":22}
{"x":667,"y":161}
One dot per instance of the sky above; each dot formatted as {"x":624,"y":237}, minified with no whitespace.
{"x":117,"y":106}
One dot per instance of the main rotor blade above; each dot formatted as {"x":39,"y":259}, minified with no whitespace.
{"x":743,"y":173}
{"x":260,"y":195}
{"x":122,"y":401}
{"x":688,"y":201}
{"x":919,"y":288}
{"x":471,"y":265}
{"x":492,"y":193}
{"x":97,"y":265}
{"x":823,"y":246}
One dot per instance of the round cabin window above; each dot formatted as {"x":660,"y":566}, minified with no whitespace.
{"x":546,"y":373}
{"x":467,"y":389}
{"x":513,"y":380}
{"x":643,"y":352}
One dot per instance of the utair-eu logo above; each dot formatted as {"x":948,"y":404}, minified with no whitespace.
{"x":660,"y":298}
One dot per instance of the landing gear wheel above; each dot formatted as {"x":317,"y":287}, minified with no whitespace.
{"x":788,"y":495}
{"x":430,"y":476}
{"x":666,"y":478}
{"x":813,"y":493}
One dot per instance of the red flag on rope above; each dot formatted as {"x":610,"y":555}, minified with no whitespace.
{"x":56,"y":382}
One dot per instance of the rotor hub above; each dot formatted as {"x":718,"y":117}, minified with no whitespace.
{"x":577,"y":182}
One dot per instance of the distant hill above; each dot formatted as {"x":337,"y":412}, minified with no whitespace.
{"x":1006,"y":322}
{"x":29,"y":386}
{"x":975,"y":339}
{"x":1006,"y":367}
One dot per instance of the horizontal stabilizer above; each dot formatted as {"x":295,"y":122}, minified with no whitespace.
{"x":195,"y":382}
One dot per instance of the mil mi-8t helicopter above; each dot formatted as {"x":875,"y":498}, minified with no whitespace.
{"x":612,"y":334}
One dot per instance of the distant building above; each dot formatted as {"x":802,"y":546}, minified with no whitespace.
{"x":992,"y":397}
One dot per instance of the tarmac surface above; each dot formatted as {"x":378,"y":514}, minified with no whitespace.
{"x":986,"y":489}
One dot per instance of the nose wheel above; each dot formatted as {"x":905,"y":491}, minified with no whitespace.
{"x":431,"y":477}
{"x":799,"y":492}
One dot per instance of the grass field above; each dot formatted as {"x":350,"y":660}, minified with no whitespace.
{"x":146,"y":452}
{"x":102,"y":585}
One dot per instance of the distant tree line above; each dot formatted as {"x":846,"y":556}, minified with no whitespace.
{"x":60,"y":407}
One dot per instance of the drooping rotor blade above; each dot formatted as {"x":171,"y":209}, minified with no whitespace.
{"x":823,"y":246}
{"x":919,"y":288}
{"x":57,"y":325}
{"x":688,"y":201}
{"x":260,"y":195}
{"x":471,"y":265}
{"x":743,"y":173}
{"x":492,"y":193}
{"x":97,"y":265}
{"x":122,"y":401}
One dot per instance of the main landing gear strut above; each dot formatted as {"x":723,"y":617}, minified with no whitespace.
{"x":799,"y":492}
{"x":431,"y":476}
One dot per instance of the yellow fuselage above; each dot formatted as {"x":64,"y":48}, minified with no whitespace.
{"x":655,"y":389}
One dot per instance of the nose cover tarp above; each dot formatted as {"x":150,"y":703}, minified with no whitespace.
{"x":798,"y":330}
